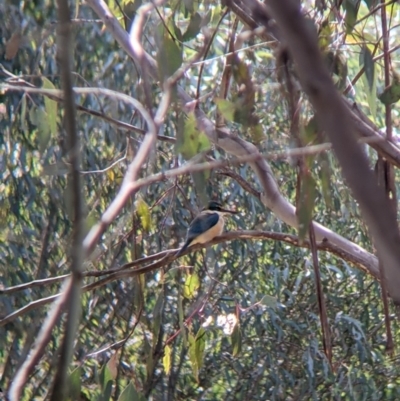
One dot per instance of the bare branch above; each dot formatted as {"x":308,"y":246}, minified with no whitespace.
{"x":44,"y":336}
{"x":164,"y":258}
{"x":73,"y":297}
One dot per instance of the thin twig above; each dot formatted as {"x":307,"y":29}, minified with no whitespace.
{"x":44,"y":337}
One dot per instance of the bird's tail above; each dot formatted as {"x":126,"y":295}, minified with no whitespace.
{"x":183,"y":249}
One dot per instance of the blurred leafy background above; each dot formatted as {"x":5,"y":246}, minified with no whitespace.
{"x":238,"y":321}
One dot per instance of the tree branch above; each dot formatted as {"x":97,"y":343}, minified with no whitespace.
{"x":335,"y":118}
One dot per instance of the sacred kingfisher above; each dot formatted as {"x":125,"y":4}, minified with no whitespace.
{"x":206,"y":226}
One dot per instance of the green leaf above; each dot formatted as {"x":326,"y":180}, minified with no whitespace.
{"x":50,"y":107}
{"x":216,"y":14}
{"x":196,"y":351}
{"x":257,"y":133}
{"x":182,"y":326}
{"x":325,"y":35}
{"x":193,"y":29}
{"x":193,"y":141}
{"x":391,"y":94}
{"x":340,"y":69}
{"x":167,"y":359}
{"x":269,"y":301}
{"x":74,"y":387}
{"x":23,"y":113}
{"x":192,"y":355}
{"x":367,"y":61}
{"x":236,"y":339}
{"x":351,"y":7}
{"x":129,"y":393}
{"x":106,"y":382}
{"x":130,"y":8}
{"x":226,"y":108}
{"x":190,"y":142}
{"x":325,"y":177}
{"x":169,"y":55}
{"x":200,"y":346}
{"x":157,"y":314}
{"x":310,"y":132}
{"x":200,"y":182}
{"x":148,"y":352}
{"x":240,"y":72}
{"x":143,"y":211}
{"x":192,"y":284}
{"x":38,"y":118}
{"x":176,"y":30}
{"x":306,"y":204}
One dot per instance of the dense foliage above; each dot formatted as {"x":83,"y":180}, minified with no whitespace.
{"x":239,"y":320}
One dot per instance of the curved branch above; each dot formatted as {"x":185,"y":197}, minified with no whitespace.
{"x":161,"y":259}
{"x":232,"y":144}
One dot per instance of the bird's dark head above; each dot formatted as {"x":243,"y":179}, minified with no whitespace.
{"x":217,"y":207}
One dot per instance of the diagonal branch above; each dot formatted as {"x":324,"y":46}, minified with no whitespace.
{"x":335,"y":118}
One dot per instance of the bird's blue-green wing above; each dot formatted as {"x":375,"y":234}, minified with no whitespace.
{"x":201,"y":224}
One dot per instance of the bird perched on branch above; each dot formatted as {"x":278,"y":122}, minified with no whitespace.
{"x":206,"y":226}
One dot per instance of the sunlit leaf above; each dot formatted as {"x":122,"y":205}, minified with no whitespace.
{"x":38,"y":117}
{"x":240,"y":71}
{"x":193,"y":141}
{"x":325,"y":35}
{"x":196,"y":351}
{"x":226,"y":108}
{"x":257,"y":133}
{"x":167,"y":359}
{"x":192,"y":284}
{"x":236,"y":339}
{"x":50,"y":106}
{"x":391,"y":94}
{"x":200,"y":346}
{"x":192,"y":355}
{"x":143,"y":211}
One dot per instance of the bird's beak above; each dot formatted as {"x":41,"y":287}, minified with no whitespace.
{"x":228,"y":211}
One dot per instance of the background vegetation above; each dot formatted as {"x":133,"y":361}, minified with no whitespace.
{"x":237,"y":321}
